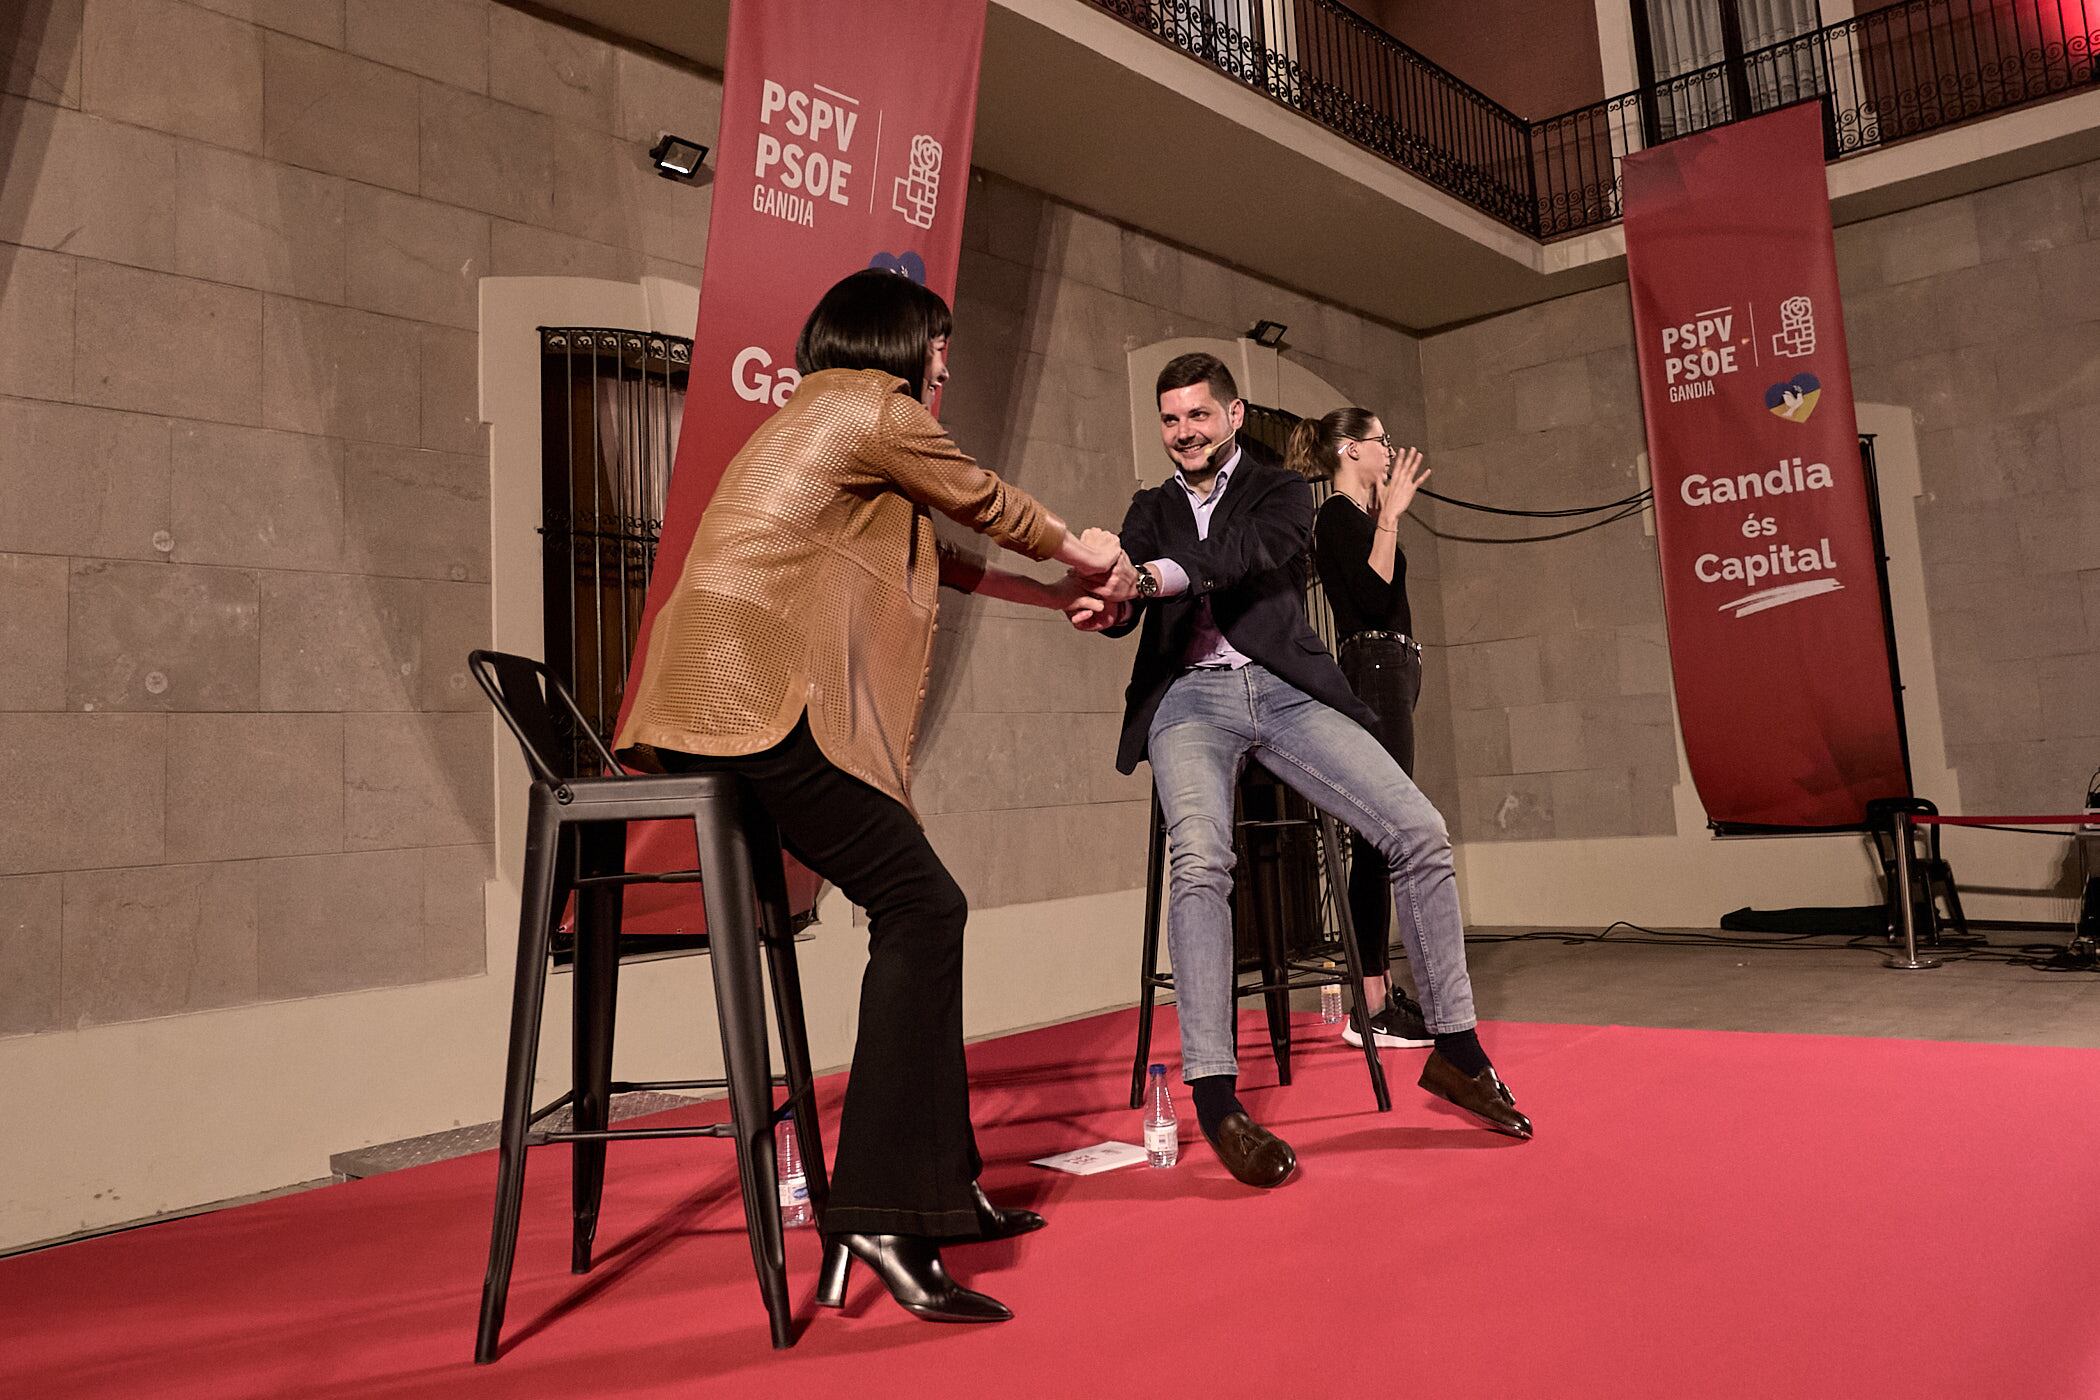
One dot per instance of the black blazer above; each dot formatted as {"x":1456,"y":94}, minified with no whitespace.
{"x":1252,"y":568}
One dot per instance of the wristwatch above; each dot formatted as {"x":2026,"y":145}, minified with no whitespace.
{"x":1147,"y":583}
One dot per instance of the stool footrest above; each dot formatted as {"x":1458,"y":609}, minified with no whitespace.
{"x":1296,"y":979}
{"x":642,"y":877}
{"x":1303,"y":982}
{"x":713,"y":1130}
{"x":563,"y":1102}
{"x":637,"y":1086}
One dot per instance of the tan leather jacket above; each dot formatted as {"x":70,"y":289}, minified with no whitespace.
{"x":811,"y":582}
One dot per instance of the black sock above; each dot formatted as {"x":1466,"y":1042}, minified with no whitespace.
{"x":1462,"y":1049}
{"x":1216,"y":1095}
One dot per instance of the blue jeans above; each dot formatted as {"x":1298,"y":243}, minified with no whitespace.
{"x":1209,"y":723}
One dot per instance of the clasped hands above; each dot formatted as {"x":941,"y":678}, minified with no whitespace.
{"x":1100,"y":582}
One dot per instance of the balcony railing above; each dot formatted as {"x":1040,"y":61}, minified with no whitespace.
{"x":1892,"y":73}
{"x":1889,"y":74}
{"x":1323,"y":59}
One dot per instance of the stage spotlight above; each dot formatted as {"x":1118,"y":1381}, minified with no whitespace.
{"x":677,"y":158}
{"x":1267,"y":334}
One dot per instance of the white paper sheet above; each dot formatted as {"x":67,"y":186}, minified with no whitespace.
{"x":1088,"y":1161}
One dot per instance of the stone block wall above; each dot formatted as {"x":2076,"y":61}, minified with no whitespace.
{"x":245,"y":546}
{"x":1558,"y":670}
{"x":244,"y":527}
{"x":1981,"y":315}
{"x":1016,"y":777}
{"x":245,"y":540}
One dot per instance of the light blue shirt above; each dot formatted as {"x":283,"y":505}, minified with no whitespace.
{"x":1207,"y":647}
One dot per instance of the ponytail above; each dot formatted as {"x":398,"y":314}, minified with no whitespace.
{"x":1306,"y":454}
{"x":1315,"y":448}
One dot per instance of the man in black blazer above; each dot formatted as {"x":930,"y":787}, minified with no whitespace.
{"x":1229,"y":669}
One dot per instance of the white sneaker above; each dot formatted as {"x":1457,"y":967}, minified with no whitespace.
{"x":1397,"y":1026}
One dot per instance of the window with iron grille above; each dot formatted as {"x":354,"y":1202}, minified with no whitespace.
{"x":610,"y":406}
{"x":1282,"y":898}
{"x":1271,"y":427}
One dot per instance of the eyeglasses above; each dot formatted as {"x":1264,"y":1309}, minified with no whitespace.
{"x":1384,"y":440}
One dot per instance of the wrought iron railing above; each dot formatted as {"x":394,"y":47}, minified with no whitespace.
{"x":1883,"y":76}
{"x":1323,"y":59}
{"x":1892,"y":73}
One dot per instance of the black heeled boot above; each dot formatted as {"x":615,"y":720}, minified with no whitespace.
{"x":910,"y":1267}
{"x":1001,"y":1223}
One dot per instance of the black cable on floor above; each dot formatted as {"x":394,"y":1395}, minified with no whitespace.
{"x":1951,"y":948}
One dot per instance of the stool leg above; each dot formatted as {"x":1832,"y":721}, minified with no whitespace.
{"x":1148,"y":960}
{"x":725,"y":884}
{"x":1923,"y":913}
{"x":1352,"y":957}
{"x":1275,"y":968}
{"x":785,"y":974}
{"x":794,"y":1049}
{"x":1954,"y":914}
{"x":596,"y":988}
{"x":538,"y":909}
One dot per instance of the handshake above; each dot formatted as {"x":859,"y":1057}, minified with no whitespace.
{"x":1102,"y":580}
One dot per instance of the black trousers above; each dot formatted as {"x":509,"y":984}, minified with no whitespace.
{"x":1386,"y":674}
{"x":906,"y":1154}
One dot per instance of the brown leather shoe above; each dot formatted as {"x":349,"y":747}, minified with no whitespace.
{"x":1484,"y":1095}
{"x":1254,"y":1155}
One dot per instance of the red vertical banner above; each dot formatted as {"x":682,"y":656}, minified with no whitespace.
{"x":1778,"y":629}
{"x":845,"y":144}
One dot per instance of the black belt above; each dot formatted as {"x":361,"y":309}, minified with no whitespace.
{"x":1401,"y":637}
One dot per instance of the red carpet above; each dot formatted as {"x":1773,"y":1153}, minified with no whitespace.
{"x":1702,"y":1215}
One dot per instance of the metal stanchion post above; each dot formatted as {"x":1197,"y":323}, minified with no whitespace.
{"x":1905,"y":906}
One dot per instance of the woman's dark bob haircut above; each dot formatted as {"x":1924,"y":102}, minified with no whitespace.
{"x":875,"y":320}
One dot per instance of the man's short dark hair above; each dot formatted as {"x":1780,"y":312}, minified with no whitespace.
{"x":1185,"y":371}
{"x":874,"y":319}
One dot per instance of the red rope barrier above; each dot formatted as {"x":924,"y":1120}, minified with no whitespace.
{"x":2080,"y":819}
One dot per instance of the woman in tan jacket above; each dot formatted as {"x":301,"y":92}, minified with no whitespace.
{"x":795,"y":652}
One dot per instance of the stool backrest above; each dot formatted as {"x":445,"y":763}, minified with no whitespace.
{"x":1881,"y":813}
{"x":527,"y":695}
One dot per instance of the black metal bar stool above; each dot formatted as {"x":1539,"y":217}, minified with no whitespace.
{"x":1931,"y":878}
{"x":575,"y":842}
{"x":1288,"y":869}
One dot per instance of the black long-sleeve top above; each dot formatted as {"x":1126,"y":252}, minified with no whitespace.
{"x":1361,"y":600}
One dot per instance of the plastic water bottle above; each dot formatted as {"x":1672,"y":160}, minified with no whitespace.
{"x":794,"y":1183}
{"x":1162,"y":1128}
{"x":1331,"y":1002}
